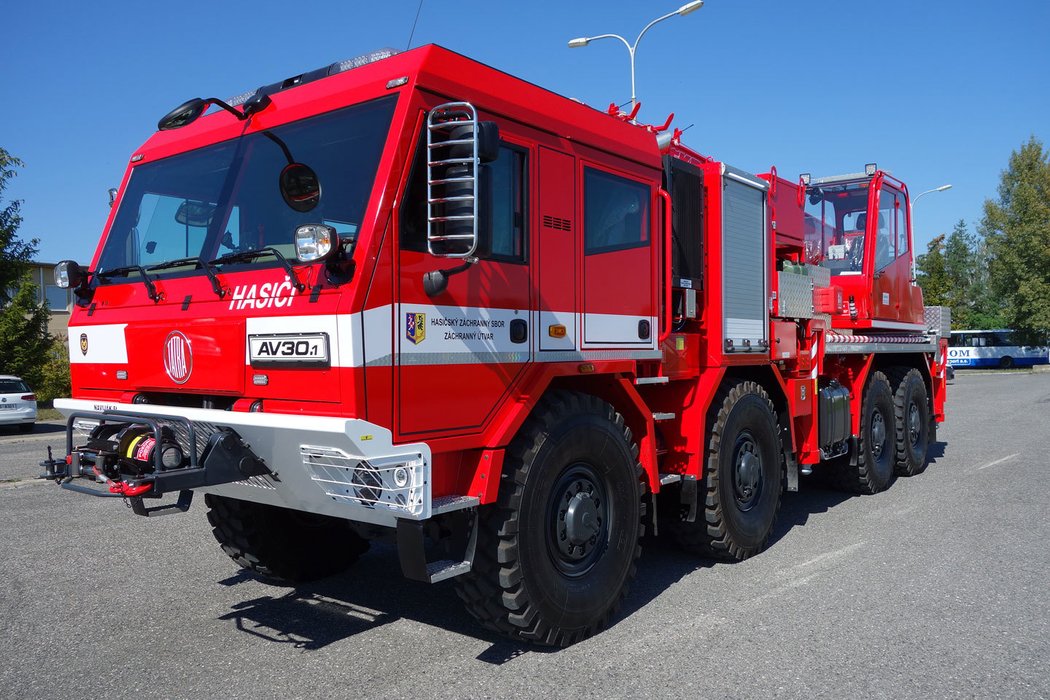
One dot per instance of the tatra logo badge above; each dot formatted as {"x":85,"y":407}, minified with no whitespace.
{"x":416,"y":327}
{"x":83,"y":343}
{"x":178,"y":357}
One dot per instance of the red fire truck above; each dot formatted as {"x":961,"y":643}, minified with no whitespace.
{"x":409,"y":296}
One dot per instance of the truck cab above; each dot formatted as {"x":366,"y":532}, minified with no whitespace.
{"x":857,"y":226}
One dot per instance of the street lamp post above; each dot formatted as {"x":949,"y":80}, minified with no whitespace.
{"x":911,"y":216}
{"x":584,"y":40}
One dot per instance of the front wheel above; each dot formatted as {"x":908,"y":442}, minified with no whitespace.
{"x":282,"y":544}
{"x":744,"y":476}
{"x":556,"y":552}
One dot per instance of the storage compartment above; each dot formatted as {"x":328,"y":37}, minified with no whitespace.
{"x":685,"y":183}
{"x":834,"y":417}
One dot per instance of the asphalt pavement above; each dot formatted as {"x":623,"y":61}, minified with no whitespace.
{"x":939,"y":587}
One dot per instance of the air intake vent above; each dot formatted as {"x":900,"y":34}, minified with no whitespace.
{"x":556,"y":223}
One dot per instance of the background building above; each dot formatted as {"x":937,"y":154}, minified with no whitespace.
{"x":59,"y":300}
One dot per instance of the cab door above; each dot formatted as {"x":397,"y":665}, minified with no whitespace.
{"x":890,"y":262}
{"x":458,"y":352}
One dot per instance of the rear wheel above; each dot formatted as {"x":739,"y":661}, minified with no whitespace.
{"x":912,"y":420}
{"x":281,"y":543}
{"x":744,"y":477}
{"x":1006,"y":362}
{"x":876,"y":446}
{"x":556,"y":552}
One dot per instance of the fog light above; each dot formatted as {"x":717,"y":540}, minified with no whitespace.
{"x":401,"y":477}
{"x":314,"y":241}
{"x":256,"y":406}
{"x":171,"y":456}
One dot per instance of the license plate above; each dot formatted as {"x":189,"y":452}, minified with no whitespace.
{"x":8,"y":406}
{"x":289,"y":349}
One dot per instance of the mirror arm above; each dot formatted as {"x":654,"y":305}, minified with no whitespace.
{"x":241,"y":116}
{"x":436,"y":281}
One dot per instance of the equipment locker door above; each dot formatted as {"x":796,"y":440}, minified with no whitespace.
{"x":619,"y":308}
{"x":558,"y":327}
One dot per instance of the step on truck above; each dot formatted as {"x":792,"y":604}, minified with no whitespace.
{"x":410,"y":297}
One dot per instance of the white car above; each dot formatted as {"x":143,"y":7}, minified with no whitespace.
{"x":17,"y":403}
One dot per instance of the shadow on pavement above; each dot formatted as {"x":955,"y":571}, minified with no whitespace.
{"x":38,"y":429}
{"x":374,"y":593}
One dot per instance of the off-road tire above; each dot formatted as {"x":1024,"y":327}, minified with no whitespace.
{"x":911,"y":408}
{"x":741,"y":502}
{"x":282,"y":544}
{"x":524,"y":584}
{"x":876,"y":448}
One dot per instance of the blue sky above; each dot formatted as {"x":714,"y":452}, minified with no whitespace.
{"x":936,"y":91}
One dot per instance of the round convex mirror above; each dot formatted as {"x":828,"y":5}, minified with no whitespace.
{"x":300,"y":187}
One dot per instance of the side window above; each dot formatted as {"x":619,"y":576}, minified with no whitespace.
{"x":508,"y":204}
{"x":902,"y":226}
{"x":509,"y":197}
{"x":414,"y":205}
{"x":885,"y":235}
{"x":615,"y":212}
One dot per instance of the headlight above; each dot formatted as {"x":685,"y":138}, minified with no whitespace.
{"x":315,"y":241}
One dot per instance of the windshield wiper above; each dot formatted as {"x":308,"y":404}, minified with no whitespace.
{"x":249,"y":255}
{"x":151,"y":288}
{"x":215,"y":285}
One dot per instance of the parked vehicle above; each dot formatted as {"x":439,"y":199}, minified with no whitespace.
{"x":411,"y":296}
{"x":994,"y":348}
{"x":17,"y":403}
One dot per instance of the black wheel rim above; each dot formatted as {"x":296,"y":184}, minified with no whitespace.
{"x":747,"y":472}
{"x":578,"y":520}
{"x":914,"y":424}
{"x":878,"y":433}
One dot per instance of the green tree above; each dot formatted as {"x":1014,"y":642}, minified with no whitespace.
{"x":932,"y":274}
{"x":1016,"y":228}
{"x":55,"y":381}
{"x":23,"y":320}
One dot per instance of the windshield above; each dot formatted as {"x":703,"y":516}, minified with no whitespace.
{"x":227,"y":198}
{"x":836,"y":216}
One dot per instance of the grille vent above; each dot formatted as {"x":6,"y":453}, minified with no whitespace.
{"x":557,"y":223}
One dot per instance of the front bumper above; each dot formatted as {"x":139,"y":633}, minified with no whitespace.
{"x":342,"y":467}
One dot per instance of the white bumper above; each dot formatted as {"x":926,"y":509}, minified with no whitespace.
{"x":343,"y":467}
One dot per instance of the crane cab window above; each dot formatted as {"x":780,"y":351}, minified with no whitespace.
{"x":615,"y":212}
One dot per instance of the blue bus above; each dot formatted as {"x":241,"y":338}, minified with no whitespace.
{"x":995,"y":348}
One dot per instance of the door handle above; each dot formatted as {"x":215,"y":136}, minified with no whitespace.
{"x":519,"y":330}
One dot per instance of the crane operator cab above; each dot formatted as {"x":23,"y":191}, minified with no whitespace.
{"x":857,"y":227}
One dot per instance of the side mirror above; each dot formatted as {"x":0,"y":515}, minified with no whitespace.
{"x":299,"y":187}
{"x":488,"y":141}
{"x":112,"y":196}
{"x":184,"y":114}
{"x":196,"y":214}
{"x":69,"y":274}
